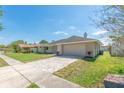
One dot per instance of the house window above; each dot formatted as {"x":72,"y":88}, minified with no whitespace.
{"x":46,"y":48}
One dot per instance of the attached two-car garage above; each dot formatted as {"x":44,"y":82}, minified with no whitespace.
{"x":80,"y":49}
{"x":73,"y":49}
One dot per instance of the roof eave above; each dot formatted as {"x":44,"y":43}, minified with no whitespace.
{"x":78,"y":42}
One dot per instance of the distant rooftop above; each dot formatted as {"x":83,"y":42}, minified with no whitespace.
{"x":33,"y":45}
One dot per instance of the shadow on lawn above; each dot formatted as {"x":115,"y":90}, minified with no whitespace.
{"x":91,"y":59}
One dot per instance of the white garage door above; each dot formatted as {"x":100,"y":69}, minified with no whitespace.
{"x":74,"y":50}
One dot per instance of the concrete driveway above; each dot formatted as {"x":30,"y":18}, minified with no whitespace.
{"x":40,"y":72}
{"x":48,"y":65}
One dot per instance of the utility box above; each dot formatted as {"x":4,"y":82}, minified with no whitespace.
{"x":114,"y":81}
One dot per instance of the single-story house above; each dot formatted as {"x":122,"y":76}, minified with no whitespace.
{"x":37,"y":48}
{"x":72,"y":46}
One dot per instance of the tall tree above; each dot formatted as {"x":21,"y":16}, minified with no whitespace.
{"x":111,"y":18}
{"x":1,"y":14}
{"x":43,"y":42}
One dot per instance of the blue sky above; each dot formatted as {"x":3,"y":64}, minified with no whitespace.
{"x":34,"y":23}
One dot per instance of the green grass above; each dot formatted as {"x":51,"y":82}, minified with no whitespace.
{"x":33,"y":85}
{"x":2,"y":63}
{"x":28,"y":57}
{"x":90,"y":73}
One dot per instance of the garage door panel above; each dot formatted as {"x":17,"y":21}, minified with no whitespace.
{"x":74,"y":49}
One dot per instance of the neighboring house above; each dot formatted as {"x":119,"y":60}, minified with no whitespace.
{"x":37,"y":48}
{"x":72,"y":46}
{"x":117,"y":48}
{"x":104,"y":48}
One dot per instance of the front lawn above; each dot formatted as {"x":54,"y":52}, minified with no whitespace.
{"x":2,"y":63}
{"x":28,"y":57}
{"x":90,"y":73}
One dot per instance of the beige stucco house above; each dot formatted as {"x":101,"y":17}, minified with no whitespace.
{"x":72,"y":46}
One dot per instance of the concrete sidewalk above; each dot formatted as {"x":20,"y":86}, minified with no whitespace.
{"x":10,"y":61}
{"x":52,"y":81}
{"x":9,"y":78}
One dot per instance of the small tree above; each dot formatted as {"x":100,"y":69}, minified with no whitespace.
{"x":2,"y":46}
{"x":14,"y":45}
{"x":43,"y":42}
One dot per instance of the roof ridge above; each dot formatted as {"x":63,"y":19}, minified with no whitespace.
{"x":73,"y":38}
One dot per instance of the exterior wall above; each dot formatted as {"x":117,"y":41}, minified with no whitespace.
{"x":90,"y":47}
{"x":50,"y":50}
{"x":59,"y":49}
{"x":93,"y":48}
{"x":97,"y":48}
{"x":117,"y":50}
{"x":54,"y":49}
{"x":34,"y":50}
{"x":40,"y":50}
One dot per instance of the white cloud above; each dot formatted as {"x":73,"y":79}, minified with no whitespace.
{"x":100,"y":32}
{"x":105,"y":40}
{"x":60,"y":32}
{"x":72,"y":27}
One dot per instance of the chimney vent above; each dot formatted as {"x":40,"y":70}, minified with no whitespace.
{"x":85,"y":35}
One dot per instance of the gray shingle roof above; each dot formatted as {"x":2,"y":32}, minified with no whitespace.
{"x":72,"y":39}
